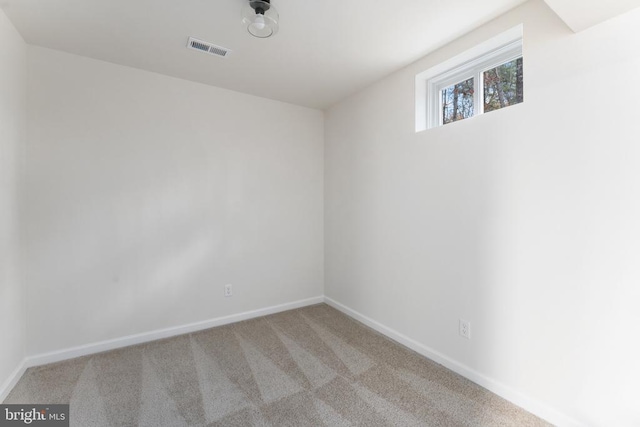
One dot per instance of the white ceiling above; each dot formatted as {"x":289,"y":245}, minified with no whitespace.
{"x":325,"y":50}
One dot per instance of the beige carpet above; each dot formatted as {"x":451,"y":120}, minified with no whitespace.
{"x":313,"y":366}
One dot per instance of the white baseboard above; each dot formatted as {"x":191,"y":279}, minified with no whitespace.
{"x":13,"y":379}
{"x":534,"y":406}
{"x":98,"y":347}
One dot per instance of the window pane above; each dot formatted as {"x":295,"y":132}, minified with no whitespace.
{"x":457,"y":101}
{"x":503,"y":85}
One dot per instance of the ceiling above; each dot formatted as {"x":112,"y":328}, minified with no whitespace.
{"x":325,"y":50}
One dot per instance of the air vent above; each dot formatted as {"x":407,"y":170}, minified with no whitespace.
{"x":207,"y":47}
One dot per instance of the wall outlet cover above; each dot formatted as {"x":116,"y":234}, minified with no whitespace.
{"x":465,"y":328}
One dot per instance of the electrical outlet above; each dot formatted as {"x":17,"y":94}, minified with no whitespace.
{"x":228,"y":290}
{"x":465,"y":329}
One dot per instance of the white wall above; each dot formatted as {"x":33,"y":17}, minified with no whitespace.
{"x":13,"y":111}
{"x":523,"y":221}
{"x":587,"y":13}
{"x":145,"y":194}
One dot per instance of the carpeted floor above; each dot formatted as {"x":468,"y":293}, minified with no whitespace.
{"x":308,"y":367}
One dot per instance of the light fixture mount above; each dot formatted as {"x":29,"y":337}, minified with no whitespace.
{"x":260,"y":6}
{"x":261,"y":18}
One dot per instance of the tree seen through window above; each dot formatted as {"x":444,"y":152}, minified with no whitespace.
{"x":457,"y":101}
{"x":503,"y":85}
{"x":500,"y":86}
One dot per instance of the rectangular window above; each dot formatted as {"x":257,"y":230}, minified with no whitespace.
{"x":484,"y":79}
{"x":503,"y":85}
{"x":457,"y":101}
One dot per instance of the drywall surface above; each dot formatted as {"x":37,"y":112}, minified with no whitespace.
{"x":522,"y":221}
{"x":587,"y":13}
{"x":147,"y":194}
{"x":13,"y":112}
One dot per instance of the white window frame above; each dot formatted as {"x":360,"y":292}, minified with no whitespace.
{"x":473,"y":69}
{"x":473,"y":63}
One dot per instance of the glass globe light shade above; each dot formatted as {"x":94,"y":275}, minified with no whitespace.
{"x":260,"y":18}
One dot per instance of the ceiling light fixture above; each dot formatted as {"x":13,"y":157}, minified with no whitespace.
{"x":261,"y":18}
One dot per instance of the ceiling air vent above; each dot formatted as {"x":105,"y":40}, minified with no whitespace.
{"x":207,"y":47}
